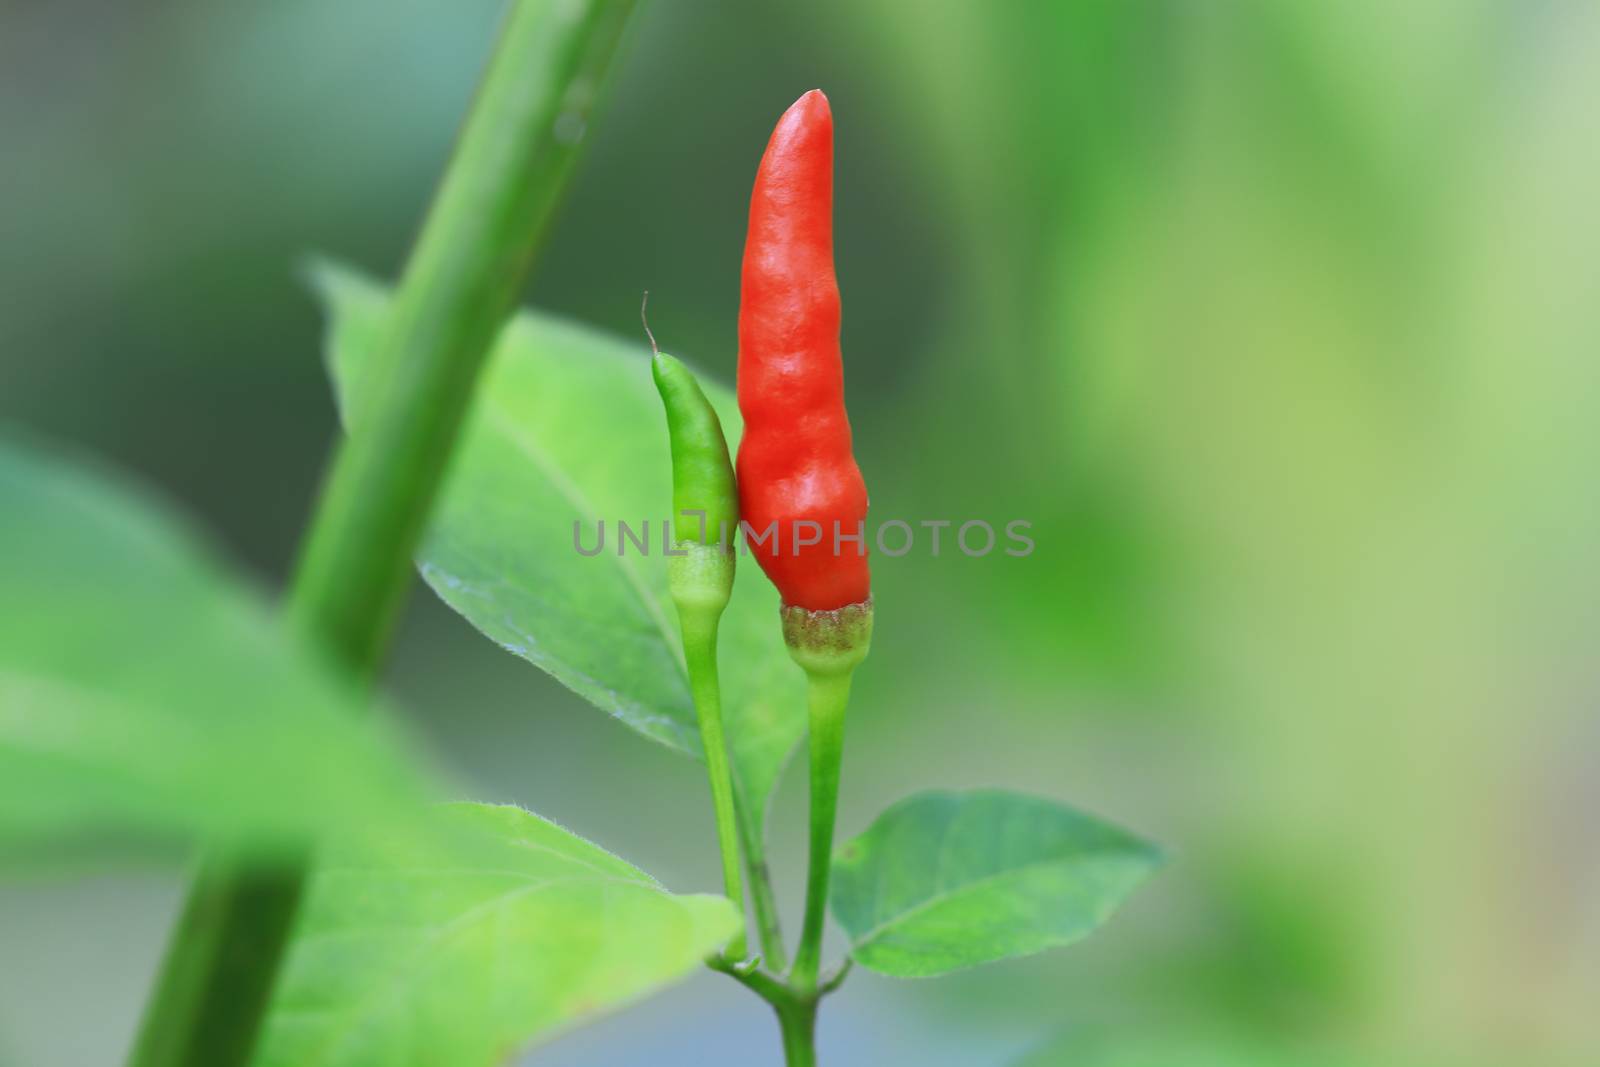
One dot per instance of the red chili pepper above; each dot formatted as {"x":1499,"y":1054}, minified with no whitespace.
{"x":795,"y":463}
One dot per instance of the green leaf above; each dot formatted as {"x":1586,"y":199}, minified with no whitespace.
{"x":405,"y":956}
{"x":567,"y":428}
{"x":943,"y":881}
{"x":148,"y":697}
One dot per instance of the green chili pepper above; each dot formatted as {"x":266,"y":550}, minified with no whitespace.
{"x":705,"y":498}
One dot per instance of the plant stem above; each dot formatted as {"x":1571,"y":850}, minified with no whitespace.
{"x":487,"y":219}
{"x":217,"y":975}
{"x":828,"y":696}
{"x":768,"y":926}
{"x":797,"y":1021}
{"x":827,"y":646}
{"x":700,"y":653}
{"x":796,"y":1010}
{"x":836,"y":979}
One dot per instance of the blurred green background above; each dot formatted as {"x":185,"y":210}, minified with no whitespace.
{"x":1277,"y":320}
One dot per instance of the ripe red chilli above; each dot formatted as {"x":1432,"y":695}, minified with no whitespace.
{"x":795,"y":466}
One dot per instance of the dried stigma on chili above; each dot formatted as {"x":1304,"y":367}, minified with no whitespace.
{"x":798,"y":479}
{"x":705,"y":500}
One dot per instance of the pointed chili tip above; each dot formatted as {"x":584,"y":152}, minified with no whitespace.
{"x":670,"y":376}
{"x":800,"y":151}
{"x":679,"y":390}
{"x":812,"y":103}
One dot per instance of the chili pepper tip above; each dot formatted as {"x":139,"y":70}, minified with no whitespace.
{"x":811,"y":112}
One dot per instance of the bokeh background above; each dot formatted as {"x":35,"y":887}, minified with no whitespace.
{"x":1279,"y":321}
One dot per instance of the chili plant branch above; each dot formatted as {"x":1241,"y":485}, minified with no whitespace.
{"x":795,"y":1000}
{"x":487,"y":220}
{"x":700,"y":651}
{"x":828,"y":697}
{"x":795,"y":1008}
{"x":797,"y":1023}
{"x":769,"y":929}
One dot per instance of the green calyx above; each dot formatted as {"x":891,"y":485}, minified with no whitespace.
{"x":700,"y":577}
{"x":705,"y":497}
{"x":828,"y":642}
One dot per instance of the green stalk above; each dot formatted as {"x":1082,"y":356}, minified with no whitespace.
{"x":796,"y":1011}
{"x":512,"y":160}
{"x":768,"y":927}
{"x":828,"y":646}
{"x":797,"y":1022}
{"x":487,"y":220}
{"x":218,"y":972}
{"x":700,"y":652}
{"x":828,"y":694}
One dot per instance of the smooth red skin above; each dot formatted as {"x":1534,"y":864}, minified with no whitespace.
{"x":795,"y":460}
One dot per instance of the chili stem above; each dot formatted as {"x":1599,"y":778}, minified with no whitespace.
{"x":797,"y":1022}
{"x":218,"y":972}
{"x":488,"y":218}
{"x":828,"y":696}
{"x":769,"y":928}
{"x":700,"y":653}
{"x":796,"y":1010}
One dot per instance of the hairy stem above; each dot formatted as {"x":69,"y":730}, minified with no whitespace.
{"x":513,"y":158}
{"x":828,"y":696}
{"x":700,"y":652}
